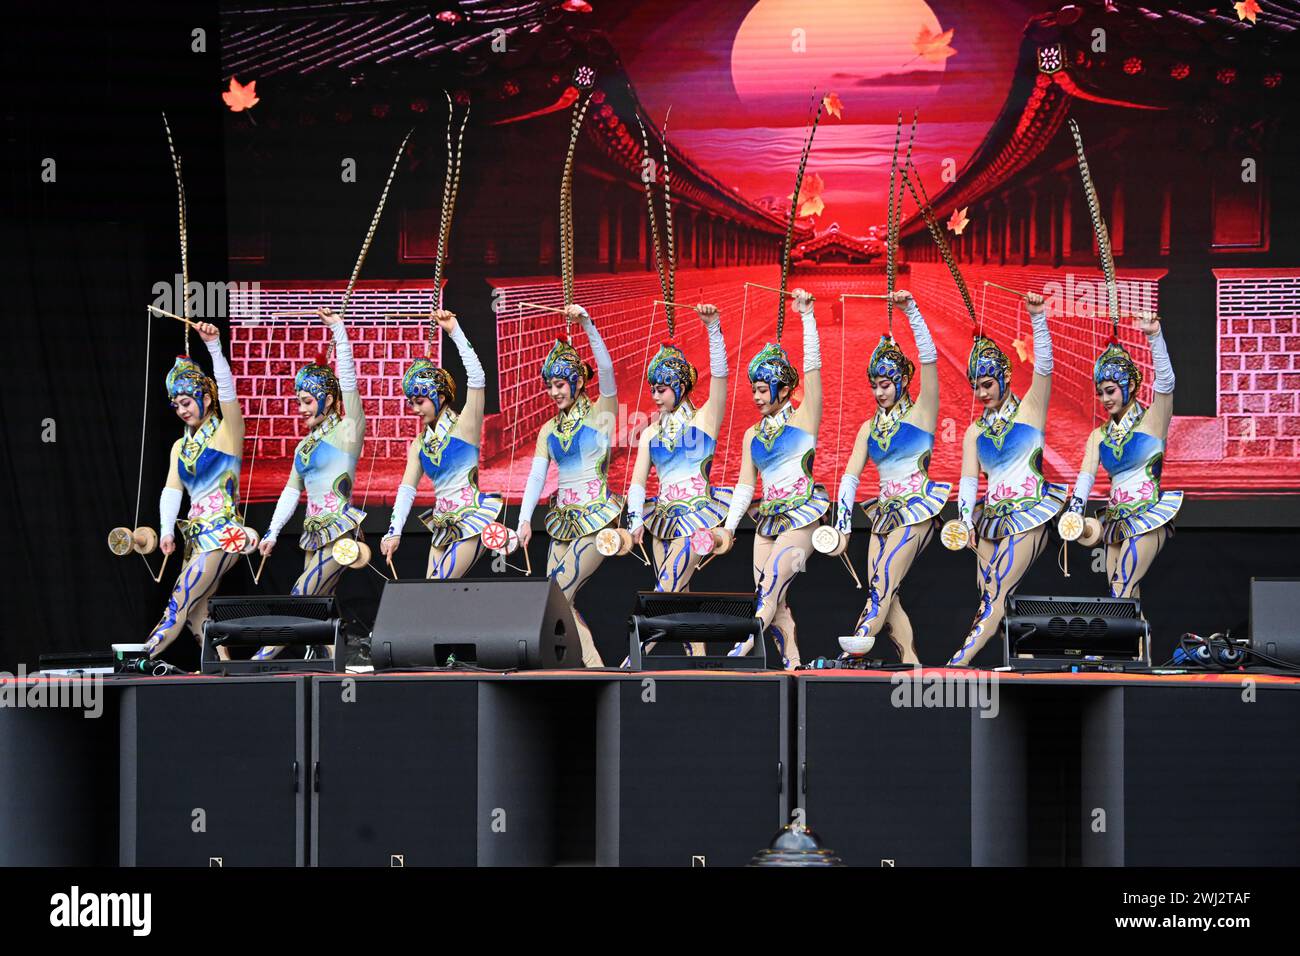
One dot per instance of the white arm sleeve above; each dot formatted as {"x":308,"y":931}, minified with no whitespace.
{"x":925,"y":350}
{"x":284,"y":509}
{"x":812,"y":346}
{"x":1042,"y":343}
{"x":741,"y":496}
{"x":169,"y":506}
{"x":533,"y":489}
{"x":1164,"y":383}
{"x":848,"y":491}
{"x":966,"y":499}
{"x":474,"y":375}
{"x":1082,"y":489}
{"x":604,"y":363}
{"x":401,"y":508}
{"x":343,"y":348}
{"x":221,"y":372}
{"x":717,"y":351}
{"x":635,"y":507}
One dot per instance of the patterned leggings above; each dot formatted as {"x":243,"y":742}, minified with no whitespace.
{"x":455,"y":560}
{"x":1003,"y":562}
{"x":569,"y":564}
{"x":1129,"y":560}
{"x":889,"y":556}
{"x":188,"y":604}
{"x":320,"y":576}
{"x":776,"y":562}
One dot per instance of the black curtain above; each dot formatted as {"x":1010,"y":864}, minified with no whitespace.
{"x":82,"y":253}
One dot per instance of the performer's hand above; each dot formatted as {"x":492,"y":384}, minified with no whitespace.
{"x":446,"y":320}
{"x":1035,"y":302}
{"x":207,"y":331}
{"x":803,"y":301}
{"x":167,"y":545}
{"x":266,"y":547}
{"x":638,"y":535}
{"x":709,"y":313}
{"x":388,"y":547}
{"x":1148,"y":323}
{"x":525,"y":534}
{"x":329,"y":316}
{"x":902,"y":297}
{"x":576,"y":313}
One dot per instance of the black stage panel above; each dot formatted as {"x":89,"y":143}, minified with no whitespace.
{"x":691,"y":770}
{"x":58,"y":785}
{"x":1194,"y":776}
{"x":890,"y":785}
{"x":213,"y":769}
{"x":393,"y":769}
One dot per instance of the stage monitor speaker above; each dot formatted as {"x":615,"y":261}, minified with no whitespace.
{"x":1275,"y":618}
{"x":258,"y":621}
{"x":670,"y":619}
{"x":493,"y":623}
{"x":1045,"y":632}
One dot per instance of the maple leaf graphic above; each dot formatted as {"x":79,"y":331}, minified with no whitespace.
{"x":933,"y":46}
{"x":1247,"y":10}
{"x":957,"y":222}
{"x":810,"y":196}
{"x":239,"y":97}
{"x":1022,"y":348}
{"x":833,"y":105}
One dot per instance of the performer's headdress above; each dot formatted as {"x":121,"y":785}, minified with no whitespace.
{"x":318,"y":380}
{"x":565,"y":362}
{"x":426,"y":380}
{"x":1116,"y":365}
{"x":772,"y":365}
{"x":670,"y":367}
{"x":186,"y":378}
{"x":987,"y":360}
{"x":889,"y":361}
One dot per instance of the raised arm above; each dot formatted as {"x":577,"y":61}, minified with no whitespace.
{"x":1034,"y":406}
{"x":810,"y":410}
{"x":607,"y":403}
{"x":354,"y":411}
{"x":743,"y":493}
{"x":709,"y":416}
{"x":849,"y":480}
{"x":1156,"y":419}
{"x":927,"y":400}
{"x":232,"y":415}
{"x":470,"y":426}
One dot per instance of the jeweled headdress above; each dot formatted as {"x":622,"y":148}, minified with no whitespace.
{"x":1116,"y":365}
{"x":565,"y":362}
{"x":186,"y":378}
{"x":889,"y":361}
{"x":426,"y":380}
{"x":670,"y":367}
{"x":986,"y":359}
{"x":318,"y":380}
{"x":772,"y":365}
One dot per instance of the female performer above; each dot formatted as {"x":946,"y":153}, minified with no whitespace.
{"x":680,"y":446}
{"x":781,"y":448}
{"x":1006,"y":443}
{"x":325,"y":463}
{"x":1131,"y":447}
{"x":899,"y":439}
{"x":204,"y":462}
{"x":447,"y":450}
{"x":578,"y":439}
